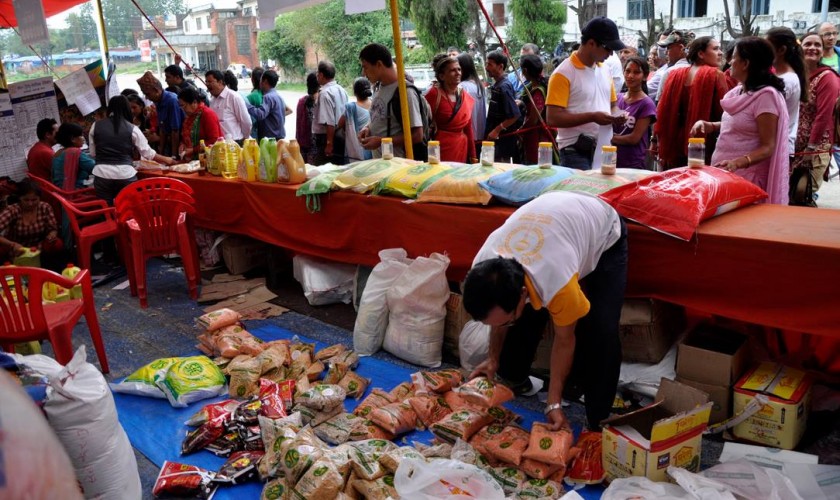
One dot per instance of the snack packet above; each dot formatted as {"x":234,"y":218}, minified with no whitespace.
{"x":336,"y":372}
{"x":539,"y":488}
{"x":391,"y":459}
{"x":349,"y":358}
{"x":354,"y":384}
{"x":587,"y":467}
{"x":337,"y":430}
{"x":314,"y":371}
{"x":218,"y":319}
{"x":274,"y":433}
{"x":549,"y":446}
{"x":212,"y":411}
{"x":321,"y":480}
{"x":376,"y":399}
{"x":299,"y":453}
{"x":402,"y":392}
{"x":322,"y":397}
{"x":276,"y":489}
{"x":396,"y":418}
{"x":439,"y":381}
{"x":509,"y":445}
{"x":485,"y":435}
{"x":275,"y":398}
{"x":460,"y":424}
{"x":509,"y":478}
{"x":430,"y":408}
{"x":370,"y":431}
{"x":539,"y":470}
{"x":244,"y":377}
{"x":365,"y":456}
{"x":378,"y":489}
{"x":329,"y":352}
{"x":208,"y":432}
{"x":273,"y":357}
{"x":484,"y":392}
{"x":182,"y":480}
{"x":240,"y":468}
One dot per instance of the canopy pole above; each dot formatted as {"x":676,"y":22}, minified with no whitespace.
{"x":406,"y":122}
{"x":103,"y":38}
{"x":3,"y":83}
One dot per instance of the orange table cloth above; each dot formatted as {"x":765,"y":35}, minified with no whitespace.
{"x":770,"y":265}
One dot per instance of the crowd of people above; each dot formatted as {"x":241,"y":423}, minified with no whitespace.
{"x":766,"y":110}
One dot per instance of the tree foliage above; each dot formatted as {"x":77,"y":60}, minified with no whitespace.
{"x":537,"y":21}
{"x":439,"y":24}
{"x":335,"y":36}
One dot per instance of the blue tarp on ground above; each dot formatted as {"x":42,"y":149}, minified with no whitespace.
{"x":157,"y":429}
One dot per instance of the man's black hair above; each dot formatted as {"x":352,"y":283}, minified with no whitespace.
{"x":216,"y":74}
{"x":491,"y":283}
{"x":44,"y":127}
{"x":67,"y":132}
{"x":327,"y":69}
{"x":270,"y":76}
{"x":498,"y":57}
{"x":174,"y":70}
{"x":373,"y":52}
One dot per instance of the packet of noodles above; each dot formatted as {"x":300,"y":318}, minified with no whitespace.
{"x":322,"y":397}
{"x":540,"y":470}
{"x":396,"y":418}
{"x":321,"y":480}
{"x":509,"y":445}
{"x":402,"y":392}
{"x":509,"y":478}
{"x":587,"y":467}
{"x":440,"y":381}
{"x":370,"y":431}
{"x":337,"y":430}
{"x":211,"y":411}
{"x":328,"y":352}
{"x":376,"y":399}
{"x":354,"y":384}
{"x":484,"y":392}
{"x":480,"y":439}
{"x":336,"y":372}
{"x":218,"y":319}
{"x":273,"y":357}
{"x":539,"y":488}
{"x":349,"y":358}
{"x":549,"y":446}
{"x":460,"y":424}
{"x":182,"y":480}
{"x":391,"y":459}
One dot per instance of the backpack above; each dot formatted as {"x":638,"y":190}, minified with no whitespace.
{"x":421,"y":149}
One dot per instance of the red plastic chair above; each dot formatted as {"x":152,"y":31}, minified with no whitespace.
{"x":155,"y":221}
{"x":90,"y":222}
{"x":84,"y":194}
{"x":23,"y":318}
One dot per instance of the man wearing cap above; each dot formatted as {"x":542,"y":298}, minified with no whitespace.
{"x":674,"y":44}
{"x":581,"y":95}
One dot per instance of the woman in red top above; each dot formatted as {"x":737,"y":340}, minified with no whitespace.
{"x":201,"y":124}
{"x":533,"y":99}
{"x":452,"y":111}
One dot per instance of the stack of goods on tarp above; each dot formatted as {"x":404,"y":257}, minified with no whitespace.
{"x":81,"y":410}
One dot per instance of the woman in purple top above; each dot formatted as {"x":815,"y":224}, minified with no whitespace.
{"x":633,"y":137}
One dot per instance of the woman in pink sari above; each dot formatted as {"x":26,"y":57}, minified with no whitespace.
{"x":753,"y":129}
{"x":452,"y":111}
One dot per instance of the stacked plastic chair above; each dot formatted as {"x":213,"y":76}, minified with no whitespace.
{"x":155,"y":220}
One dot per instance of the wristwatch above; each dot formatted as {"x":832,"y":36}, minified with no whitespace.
{"x":550,"y":408}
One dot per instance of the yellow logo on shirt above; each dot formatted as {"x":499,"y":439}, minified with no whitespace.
{"x":524,"y":242}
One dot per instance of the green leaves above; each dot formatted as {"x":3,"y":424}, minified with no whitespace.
{"x":536,"y":21}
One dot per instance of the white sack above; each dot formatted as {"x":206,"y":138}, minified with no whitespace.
{"x":372,"y":318}
{"x":473,"y":344}
{"x":324,"y":282}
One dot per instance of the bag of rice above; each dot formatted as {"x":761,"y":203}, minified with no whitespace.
{"x":539,"y":470}
{"x":354,"y":385}
{"x":440,"y":450}
{"x":362,"y":176}
{"x":587,"y":467}
{"x":314,"y":418}
{"x":509,"y":445}
{"x":509,"y":478}
{"x":523,"y":184}
{"x":376,"y":399}
{"x":337,"y":430}
{"x":301,"y":360}
{"x":244,"y":377}
{"x":296,"y":347}
{"x":276,"y":375}
{"x":314,"y":371}
{"x":485,"y":435}
{"x":340,"y":456}
{"x":189,"y":380}
{"x":549,"y":446}
{"x":274,"y":433}
{"x":396,"y":418}
{"x":349,"y":358}
{"x":460,"y":185}
{"x":462,"y":451}
{"x":276,"y":489}
{"x":336,"y":372}
{"x":142,"y":381}
{"x":429,"y":409}
{"x":391,"y":459}
{"x":315,"y":187}
{"x":406,"y":181}
{"x":403,"y":391}
{"x":349,"y":491}
{"x":273,"y":357}
{"x":461,"y":424}
{"x":299,"y":453}
{"x":456,"y":401}
{"x":502,"y":415}
{"x":218,"y":319}
{"x":370,"y":431}
{"x":379,"y":489}
{"x":321,"y":480}
{"x":365,"y":456}
{"x":329,"y":352}
{"x":440,"y":381}
{"x":243,"y":340}
{"x":484,"y":392}
{"x":322,"y":397}
{"x":594,"y":182}
{"x":539,"y":488}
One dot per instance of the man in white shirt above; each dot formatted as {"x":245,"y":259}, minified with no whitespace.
{"x":229,"y":106}
{"x":329,"y":108}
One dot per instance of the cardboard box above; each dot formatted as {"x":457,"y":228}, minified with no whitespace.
{"x":241,"y":254}
{"x":456,"y":318}
{"x":668,"y":432}
{"x":780,"y":422}
{"x":712,"y":355}
{"x":712,"y":359}
{"x":648,"y":329}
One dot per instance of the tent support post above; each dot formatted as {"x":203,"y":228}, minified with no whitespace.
{"x":406,"y":123}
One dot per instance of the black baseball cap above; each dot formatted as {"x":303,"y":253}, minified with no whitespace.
{"x":603,"y":30}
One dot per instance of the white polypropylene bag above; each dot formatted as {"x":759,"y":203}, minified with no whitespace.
{"x":643,"y":378}
{"x":473,"y":344}
{"x":324,"y":282}
{"x":642,"y":488}
{"x":417,"y":311}
{"x":444,"y":479}
{"x":372,"y":318}
{"x":740,"y":479}
{"x":33,"y":463}
{"x":80,"y":408}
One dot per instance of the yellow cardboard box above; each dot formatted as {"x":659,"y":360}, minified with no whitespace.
{"x":668,"y":432}
{"x":781,"y":422}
